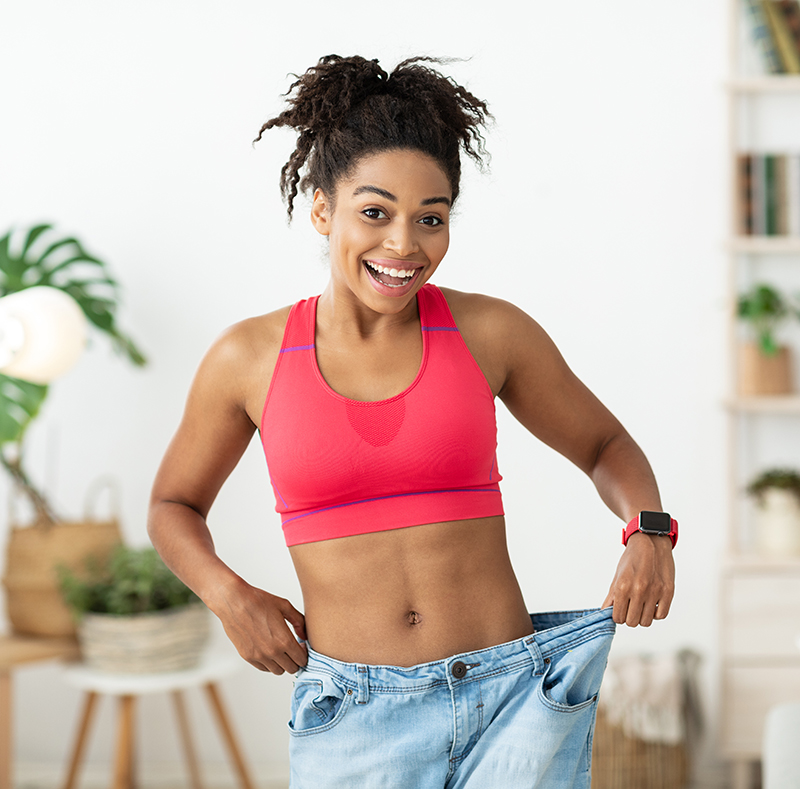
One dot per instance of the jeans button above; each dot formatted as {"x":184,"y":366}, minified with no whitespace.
{"x":458,"y":669}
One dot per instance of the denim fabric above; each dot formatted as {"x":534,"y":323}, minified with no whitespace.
{"x":516,"y":716}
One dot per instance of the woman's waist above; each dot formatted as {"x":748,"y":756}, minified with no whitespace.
{"x":411,"y":594}
{"x":407,"y":637}
{"x":546,"y":636}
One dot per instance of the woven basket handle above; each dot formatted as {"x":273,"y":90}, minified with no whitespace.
{"x":93,"y":494}
{"x":95,"y":491}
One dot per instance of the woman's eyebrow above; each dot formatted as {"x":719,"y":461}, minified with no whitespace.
{"x":389,"y":196}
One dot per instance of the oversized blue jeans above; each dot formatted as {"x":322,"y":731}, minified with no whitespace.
{"x":516,"y":716}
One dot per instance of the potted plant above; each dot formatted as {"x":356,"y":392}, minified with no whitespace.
{"x":765,"y":366}
{"x":39,"y":257}
{"x":777,"y":496}
{"x":133,"y":614}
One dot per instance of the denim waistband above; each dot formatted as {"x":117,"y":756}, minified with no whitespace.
{"x":555,"y":632}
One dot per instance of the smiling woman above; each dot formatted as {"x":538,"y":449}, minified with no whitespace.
{"x":417,"y":661}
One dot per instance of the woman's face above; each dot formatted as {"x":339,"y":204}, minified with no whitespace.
{"x":388,"y":228}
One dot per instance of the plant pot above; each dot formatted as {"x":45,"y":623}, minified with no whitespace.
{"x":778,"y":523}
{"x":33,"y":554}
{"x":764,"y":375}
{"x":158,"y":641}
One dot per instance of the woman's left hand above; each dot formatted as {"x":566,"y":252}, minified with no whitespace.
{"x":644,"y":583}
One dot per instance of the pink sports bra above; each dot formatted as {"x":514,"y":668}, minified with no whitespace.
{"x":341,"y":467}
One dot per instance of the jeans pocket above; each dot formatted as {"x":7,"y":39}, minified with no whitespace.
{"x":572,"y":679}
{"x":318,"y":705}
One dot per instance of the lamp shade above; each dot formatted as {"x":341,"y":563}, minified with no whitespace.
{"x":42,"y":334}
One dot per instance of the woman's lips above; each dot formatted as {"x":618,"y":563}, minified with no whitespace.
{"x":391,"y":277}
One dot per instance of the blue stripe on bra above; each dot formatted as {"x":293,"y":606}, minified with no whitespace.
{"x":439,"y":328}
{"x":392,"y":496}
{"x":297,"y":348}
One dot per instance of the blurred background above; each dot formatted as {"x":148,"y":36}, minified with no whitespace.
{"x":129,"y":125}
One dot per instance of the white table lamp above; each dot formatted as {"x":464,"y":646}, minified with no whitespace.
{"x":42,"y":334}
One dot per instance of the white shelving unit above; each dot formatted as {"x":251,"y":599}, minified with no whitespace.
{"x":760,"y":597}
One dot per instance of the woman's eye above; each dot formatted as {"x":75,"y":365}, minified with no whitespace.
{"x":374,"y":213}
{"x":432,"y":221}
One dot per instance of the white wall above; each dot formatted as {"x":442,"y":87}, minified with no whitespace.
{"x":129,"y":125}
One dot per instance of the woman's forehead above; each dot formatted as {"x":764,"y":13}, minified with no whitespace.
{"x":398,"y":173}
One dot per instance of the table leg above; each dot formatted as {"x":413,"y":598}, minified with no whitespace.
{"x":228,"y":735}
{"x":742,"y":774}
{"x":80,"y":741}
{"x":186,"y":737}
{"x":6,"y":745}
{"x":123,"y":767}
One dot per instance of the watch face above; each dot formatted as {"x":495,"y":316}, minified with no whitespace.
{"x":655,"y":522}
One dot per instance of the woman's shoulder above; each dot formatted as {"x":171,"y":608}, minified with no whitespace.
{"x":493,"y":330}
{"x":238,"y":367}
{"x":258,"y":334}
{"x":249,"y":346}
{"x":488,"y":314}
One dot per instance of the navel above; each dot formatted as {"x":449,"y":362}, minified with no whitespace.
{"x":413,"y":618}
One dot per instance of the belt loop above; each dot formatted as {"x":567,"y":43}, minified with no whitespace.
{"x":363,"y":685}
{"x":536,"y":654}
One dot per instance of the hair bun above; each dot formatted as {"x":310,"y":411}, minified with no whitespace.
{"x":327,"y":92}
{"x":344,"y":108}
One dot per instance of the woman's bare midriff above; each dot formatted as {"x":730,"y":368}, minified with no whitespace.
{"x":411,"y":595}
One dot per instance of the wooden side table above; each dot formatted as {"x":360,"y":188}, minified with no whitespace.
{"x":16,"y":651}
{"x":127,"y":688}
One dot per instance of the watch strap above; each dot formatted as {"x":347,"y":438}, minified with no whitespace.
{"x":633,"y":527}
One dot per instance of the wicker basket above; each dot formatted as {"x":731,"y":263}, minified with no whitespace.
{"x":33,"y":597}
{"x":621,"y":762}
{"x":170,"y":640}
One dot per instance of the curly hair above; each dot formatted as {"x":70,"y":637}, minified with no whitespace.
{"x":346,"y":108}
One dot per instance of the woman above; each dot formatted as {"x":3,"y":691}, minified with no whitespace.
{"x":417,"y":663}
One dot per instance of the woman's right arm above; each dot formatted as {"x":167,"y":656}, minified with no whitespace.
{"x":213,"y":434}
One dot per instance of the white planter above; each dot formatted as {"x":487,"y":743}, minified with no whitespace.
{"x":778,"y":524}
{"x":149,"y":643}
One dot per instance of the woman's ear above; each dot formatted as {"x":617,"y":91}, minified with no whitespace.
{"x":321,"y":213}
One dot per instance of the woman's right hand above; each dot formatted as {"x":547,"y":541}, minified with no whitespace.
{"x":256,"y":623}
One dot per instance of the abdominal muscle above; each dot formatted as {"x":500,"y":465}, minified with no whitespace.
{"x":411,"y":595}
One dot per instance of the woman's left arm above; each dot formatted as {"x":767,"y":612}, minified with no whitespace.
{"x":527,"y":372}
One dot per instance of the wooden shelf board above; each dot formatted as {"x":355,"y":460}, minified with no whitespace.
{"x":756,"y":563}
{"x":17,"y":649}
{"x":780,"y":83}
{"x":774,"y":404}
{"x":771,"y":245}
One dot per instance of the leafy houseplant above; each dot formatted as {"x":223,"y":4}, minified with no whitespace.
{"x":777,"y":478}
{"x":764,"y":365}
{"x":134,"y":614}
{"x":130,"y":582}
{"x":764,"y":308}
{"x":777,"y":495}
{"x":38,"y":257}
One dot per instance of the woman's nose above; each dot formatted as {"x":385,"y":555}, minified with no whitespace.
{"x":401,"y":240}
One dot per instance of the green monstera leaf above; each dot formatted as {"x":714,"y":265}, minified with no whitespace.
{"x":20,"y":402}
{"x":63,"y":263}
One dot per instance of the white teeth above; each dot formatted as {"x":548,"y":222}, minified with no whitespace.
{"x":392,"y":272}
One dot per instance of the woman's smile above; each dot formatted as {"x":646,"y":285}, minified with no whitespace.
{"x":397,"y":275}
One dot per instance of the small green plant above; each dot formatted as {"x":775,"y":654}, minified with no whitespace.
{"x":781,"y":478}
{"x":133,"y":581}
{"x":764,"y":308}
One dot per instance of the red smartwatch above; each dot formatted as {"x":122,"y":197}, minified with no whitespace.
{"x":652,"y":523}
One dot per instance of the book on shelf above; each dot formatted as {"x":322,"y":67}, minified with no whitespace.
{"x":790,"y":9}
{"x":768,"y":194}
{"x":775,"y":29}
{"x":793,"y":194}
{"x":782,"y":37}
